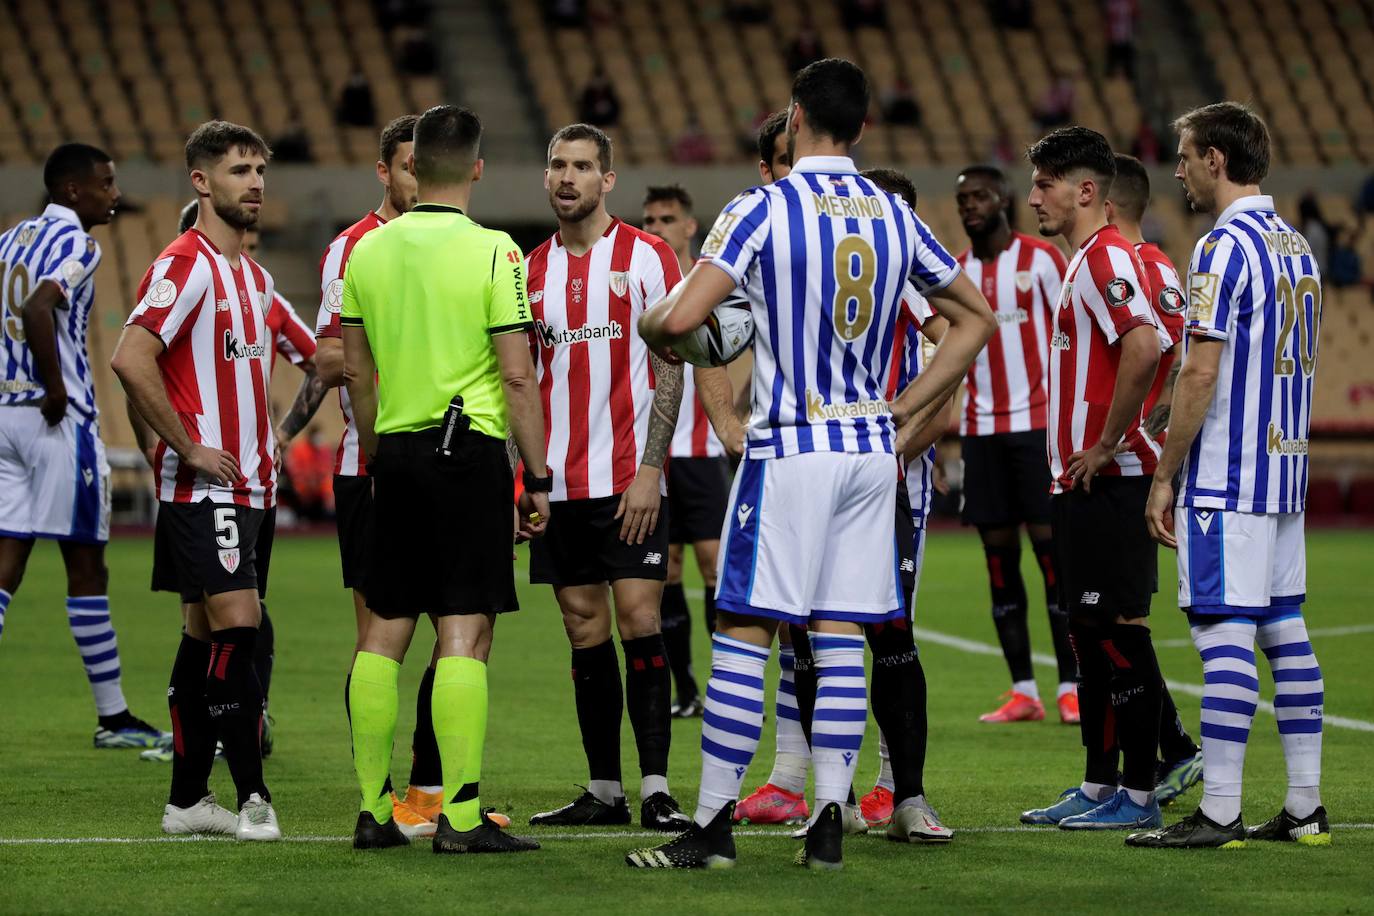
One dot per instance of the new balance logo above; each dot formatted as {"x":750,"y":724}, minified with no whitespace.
{"x":743,"y":513}
{"x":1204,"y":521}
{"x":551,"y":337}
{"x":1090,"y":597}
{"x":908,"y":566}
{"x":653,"y":558}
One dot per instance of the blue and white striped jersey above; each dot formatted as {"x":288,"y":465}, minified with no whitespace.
{"x":1254,"y":285}
{"x":822,"y":256}
{"x":912,"y":351}
{"x":49,"y":247}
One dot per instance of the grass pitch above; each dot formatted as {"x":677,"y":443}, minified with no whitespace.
{"x":79,"y":828}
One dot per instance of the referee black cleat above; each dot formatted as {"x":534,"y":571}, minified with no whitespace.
{"x":369,"y":834}
{"x":1313,"y":830}
{"x":1196,"y":831}
{"x":824,"y":838}
{"x":485,"y":837}
{"x":712,"y":846}
{"x":661,"y":811}
{"x":585,"y":811}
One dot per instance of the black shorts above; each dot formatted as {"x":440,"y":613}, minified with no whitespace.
{"x":698,"y":490}
{"x":582,"y":546}
{"x":1107,"y":563}
{"x":906,"y":548}
{"x":442,"y":528}
{"x":1006,"y":480}
{"x":352,"y":516}
{"x":207,"y":548}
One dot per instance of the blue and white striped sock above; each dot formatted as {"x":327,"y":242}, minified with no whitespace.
{"x":1298,"y":697}
{"x":792,"y":760}
{"x":4,"y":606}
{"x":837,"y":727}
{"x":89,"y":619}
{"x":732,"y":722}
{"x":1230,"y":694}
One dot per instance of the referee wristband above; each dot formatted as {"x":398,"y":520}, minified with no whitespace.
{"x":537,"y":484}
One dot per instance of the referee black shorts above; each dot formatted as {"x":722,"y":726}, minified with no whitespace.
{"x":1107,"y":562}
{"x":698,"y":491}
{"x":353,"y":518}
{"x":442,"y":527}
{"x":1006,"y":479}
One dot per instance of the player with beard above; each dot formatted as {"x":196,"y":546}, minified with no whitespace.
{"x":194,"y":360}
{"x":610,"y":411}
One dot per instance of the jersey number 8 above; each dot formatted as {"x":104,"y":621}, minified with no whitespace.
{"x":852,"y":287}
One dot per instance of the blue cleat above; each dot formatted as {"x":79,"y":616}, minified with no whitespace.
{"x":133,"y":733}
{"x":1071,"y":802}
{"x":1117,"y":813}
{"x":1178,"y":777}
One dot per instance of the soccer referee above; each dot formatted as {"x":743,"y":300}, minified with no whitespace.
{"x":438,"y":367}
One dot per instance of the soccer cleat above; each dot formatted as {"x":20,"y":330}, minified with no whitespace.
{"x":257,"y":820}
{"x":851,"y":816}
{"x":156,"y":755}
{"x":915,"y":821}
{"x":203,"y":817}
{"x":485,"y":837}
{"x":1116,"y":813}
{"x":585,"y":811}
{"x":1283,"y":827}
{"x":824,"y":849}
{"x":497,"y":818}
{"x":1068,"y":708}
{"x":1176,"y":778}
{"x":1196,"y":831}
{"x":1071,"y":802}
{"x":692,"y":709}
{"x":661,"y":811}
{"x":712,"y":846}
{"x":1017,"y":708}
{"x":876,"y":807}
{"x":418,"y":813}
{"x":368,"y":834}
{"x":770,"y":805}
{"x":131,"y":732}
{"x":266,"y":739}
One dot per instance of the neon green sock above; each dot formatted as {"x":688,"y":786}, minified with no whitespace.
{"x":460,"y":728}
{"x":372,"y":701}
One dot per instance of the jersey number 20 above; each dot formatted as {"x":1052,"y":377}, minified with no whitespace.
{"x":1302,"y":309}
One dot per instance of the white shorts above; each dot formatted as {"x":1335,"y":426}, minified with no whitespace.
{"x":54,"y":480}
{"x":1238,"y":563}
{"x":812,"y":537}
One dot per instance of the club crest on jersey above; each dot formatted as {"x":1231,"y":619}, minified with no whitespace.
{"x":1066,"y":296}
{"x":1119,"y":291}
{"x":229,"y":559}
{"x":161,"y":294}
{"x":1024,"y":281}
{"x":333,"y":296}
{"x":235,"y":350}
{"x":577,"y":289}
{"x":72,"y":271}
{"x":620,"y":282}
{"x":1171,"y":300}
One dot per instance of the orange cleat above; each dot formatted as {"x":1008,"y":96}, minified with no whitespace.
{"x":876,"y":807}
{"x":770,"y":805}
{"x":418,"y":814}
{"x":1017,"y":708}
{"x":1068,"y":708}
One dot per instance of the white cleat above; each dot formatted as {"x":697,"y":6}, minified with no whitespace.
{"x":257,"y":820}
{"x":204,"y":817}
{"x":914,"y":821}
{"x":853,"y":820}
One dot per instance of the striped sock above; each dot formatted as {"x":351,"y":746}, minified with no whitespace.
{"x":837,"y":728}
{"x":1230,"y":693}
{"x":1298,"y":699}
{"x":732,"y":723}
{"x":89,"y":619}
{"x":793,"y":758}
{"x":4,"y":606}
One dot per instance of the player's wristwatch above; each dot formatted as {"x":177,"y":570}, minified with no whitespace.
{"x":537,"y":484}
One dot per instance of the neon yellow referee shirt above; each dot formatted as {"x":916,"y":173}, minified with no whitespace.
{"x":431,"y":288}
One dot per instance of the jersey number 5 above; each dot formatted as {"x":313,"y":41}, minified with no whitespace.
{"x":226,"y":527}
{"x":16,"y":291}
{"x":1302,"y":309}
{"x":853,"y":286}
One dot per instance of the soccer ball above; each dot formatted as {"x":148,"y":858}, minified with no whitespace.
{"x":727,"y":332}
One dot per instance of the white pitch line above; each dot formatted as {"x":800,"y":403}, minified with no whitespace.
{"x":1194,"y":690}
{"x":1320,"y":631}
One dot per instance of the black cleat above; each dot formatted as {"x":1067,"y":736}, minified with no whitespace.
{"x":823,"y":850}
{"x":1283,"y":827}
{"x":485,"y":837}
{"x":1196,"y":831}
{"x":712,"y":846}
{"x":585,"y":811}
{"x":661,"y":811}
{"x":369,"y":834}
{"x":690,"y":709}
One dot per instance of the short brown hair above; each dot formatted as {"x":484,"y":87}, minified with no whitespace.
{"x":211,"y":141}
{"x":604,"y":154}
{"x":401,"y":130}
{"x":893,"y":182}
{"x":447,"y":142}
{"x":1130,"y":193}
{"x":661,"y":192}
{"x":1234,"y":130}
{"x":769,"y":130}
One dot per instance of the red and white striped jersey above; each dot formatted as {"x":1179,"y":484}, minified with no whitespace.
{"x":213,"y":321}
{"x":291,"y":337}
{"x":350,"y":460}
{"x":1105,"y":295}
{"x":1169,"y":303}
{"x":694,"y":437}
{"x":595,"y":379}
{"x":1005,"y":388}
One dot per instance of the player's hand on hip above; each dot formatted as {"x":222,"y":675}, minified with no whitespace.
{"x":54,"y":407}
{"x":638,"y":509}
{"x":939,"y":479}
{"x":280,"y":441}
{"x":220,"y":466}
{"x":533,"y":516}
{"x":1084,"y":465}
{"x":1159,"y":513}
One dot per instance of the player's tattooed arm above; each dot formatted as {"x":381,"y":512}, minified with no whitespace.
{"x":309,"y":397}
{"x":663,"y":418}
{"x":1158,"y":420}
